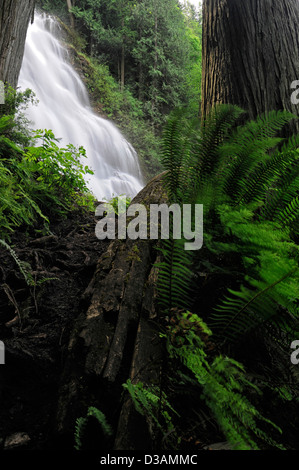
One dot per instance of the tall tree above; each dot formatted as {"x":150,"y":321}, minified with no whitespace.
{"x":14,"y":19}
{"x":70,"y":5}
{"x":160,"y":53}
{"x":250,"y":54}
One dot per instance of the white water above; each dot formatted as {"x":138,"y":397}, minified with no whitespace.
{"x":64,"y":108}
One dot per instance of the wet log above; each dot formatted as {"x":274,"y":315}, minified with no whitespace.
{"x":116,"y":337}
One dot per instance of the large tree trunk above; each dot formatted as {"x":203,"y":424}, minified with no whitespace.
{"x":14,"y":19}
{"x":250,"y":54}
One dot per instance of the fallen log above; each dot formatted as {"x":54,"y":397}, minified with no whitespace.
{"x":116,"y":337}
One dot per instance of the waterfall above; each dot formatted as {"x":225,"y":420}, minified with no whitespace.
{"x":64,"y":108}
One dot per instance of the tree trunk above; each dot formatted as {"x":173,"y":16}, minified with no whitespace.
{"x":122,"y":80}
{"x":14,"y":19}
{"x":250,"y":54}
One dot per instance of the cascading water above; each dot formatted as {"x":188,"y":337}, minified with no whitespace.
{"x":64,"y":108}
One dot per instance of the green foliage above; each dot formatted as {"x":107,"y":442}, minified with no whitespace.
{"x":175,"y":276}
{"x":247,"y":180}
{"x":161,"y":50}
{"x":271,"y":264}
{"x":194,"y":63}
{"x":14,"y":128}
{"x":117,"y":202}
{"x":16,"y":205}
{"x":23,"y":266}
{"x":58,"y":7}
{"x":60,"y":170}
{"x":82,"y":422}
{"x":151,"y":42}
{"x":249,"y":188}
{"x":151,"y":403}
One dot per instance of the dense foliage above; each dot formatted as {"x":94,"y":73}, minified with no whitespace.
{"x":244,"y":281}
{"x":151,"y":47}
{"x":38,"y":179}
{"x":140,"y":60}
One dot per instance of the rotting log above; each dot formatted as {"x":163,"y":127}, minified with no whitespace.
{"x":116,"y":337}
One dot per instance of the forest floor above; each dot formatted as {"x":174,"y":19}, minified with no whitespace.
{"x":35,"y":323}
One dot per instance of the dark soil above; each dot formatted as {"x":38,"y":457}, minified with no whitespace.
{"x":35,"y":322}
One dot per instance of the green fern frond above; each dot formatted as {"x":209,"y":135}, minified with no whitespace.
{"x":176,"y":155}
{"x":223,"y":384}
{"x":262,"y":176}
{"x":174,"y":275}
{"x":247,"y":310}
{"x":284,"y":190}
{"x":290,"y":213}
{"x":22,"y":265}
{"x":248,"y":147}
{"x":149,"y":402}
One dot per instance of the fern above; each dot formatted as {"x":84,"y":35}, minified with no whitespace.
{"x":272,"y":288}
{"x":174,"y":276}
{"x":177,"y":157}
{"x":82,"y":422}
{"x":248,"y":146}
{"x":261,"y":177}
{"x":248,"y":180}
{"x":215,"y":130}
{"x":149,"y":402}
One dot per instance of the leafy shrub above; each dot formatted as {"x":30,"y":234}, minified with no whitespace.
{"x":223,"y":384}
{"x":37,"y":181}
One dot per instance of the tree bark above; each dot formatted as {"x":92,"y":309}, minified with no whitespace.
{"x":122,"y":79}
{"x":250,"y":54}
{"x":72,"y":20}
{"x":116,"y":338}
{"x":14,"y":19}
